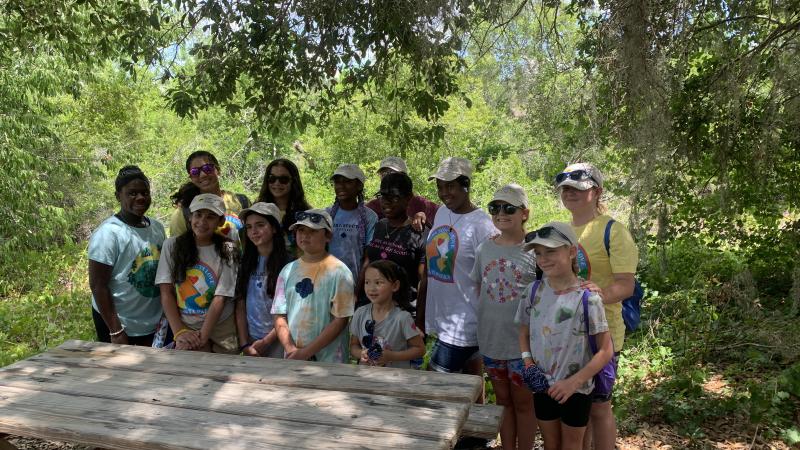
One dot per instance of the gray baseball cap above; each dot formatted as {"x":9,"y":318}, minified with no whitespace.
{"x":452,"y":168}
{"x":263,"y":208}
{"x":317,"y":219}
{"x":350,"y":171}
{"x":394,"y":163}
{"x":513,"y":194}
{"x":211,"y":202}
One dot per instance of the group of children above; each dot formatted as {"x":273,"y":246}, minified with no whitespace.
{"x":290,"y":292}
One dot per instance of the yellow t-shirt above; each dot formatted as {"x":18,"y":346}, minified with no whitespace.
{"x":231,"y":227}
{"x":594,"y":264}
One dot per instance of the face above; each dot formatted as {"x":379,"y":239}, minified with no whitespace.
{"x":311,"y":241}
{"x":555,"y":262}
{"x":507,"y":222}
{"x":394,"y":206}
{"x":279,"y":181}
{"x":377,"y":287}
{"x":452,"y":194}
{"x":204,"y":222}
{"x":206,"y":182}
{"x":134,"y":198}
{"x":345,"y":188}
{"x":578,"y":200}
{"x":259,"y":230}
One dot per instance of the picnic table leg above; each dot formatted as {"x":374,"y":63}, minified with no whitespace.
{"x":4,"y":444}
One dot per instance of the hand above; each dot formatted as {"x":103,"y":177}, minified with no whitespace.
{"x":364,"y":359}
{"x":383,"y":359}
{"x":121,"y":339}
{"x":591,"y":286}
{"x":250,"y":350}
{"x":299,"y":354}
{"x":189,"y":340}
{"x":418,"y":221}
{"x":562,"y":390}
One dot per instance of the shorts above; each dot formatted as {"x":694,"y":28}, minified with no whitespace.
{"x":598,"y":398}
{"x":505,"y":370}
{"x":449,"y":358}
{"x":573,"y":413}
{"x":223,"y":336}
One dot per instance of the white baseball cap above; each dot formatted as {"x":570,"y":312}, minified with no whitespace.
{"x":394,"y":163}
{"x":317,"y":219}
{"x":350,"y":171}
{"x":263,"y":208}
{"x":513,"y":194}
{"x":552,"y":235}
{"x":211,"y":202}
{"x":581,"y":176}
{"x":452,"y":168}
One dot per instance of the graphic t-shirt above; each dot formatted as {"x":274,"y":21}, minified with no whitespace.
{"x":347,"y":243}
{"x":310,"y":295}
{"x":504,"y":272}
{"x":403,"y":246}
{"x":417,"y":204}
{"x":393,"y":332}
{"x":230,"y":229}
{"x":258,"y":303}
{"x":211,"y":276}
{"x":451,"y":305}
{"x":133,"y":255}
{"x":557,"y":325}
{"x":595,"y":265}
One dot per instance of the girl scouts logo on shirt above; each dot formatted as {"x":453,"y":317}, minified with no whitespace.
{"x":304,"y":287}
{"x":142,"y":275}
{"x":441,"y":253}
{"x":584,"y":266}
{"x":197,"y":290}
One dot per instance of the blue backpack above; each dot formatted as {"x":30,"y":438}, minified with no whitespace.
{"x":631,"y":306}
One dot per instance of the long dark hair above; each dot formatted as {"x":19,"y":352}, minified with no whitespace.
{"x":297,"y":196}
{"x":188,"y":191}
{"x":277,"y":259}
{"x":393,"y":272}
{"x":186,"y":255}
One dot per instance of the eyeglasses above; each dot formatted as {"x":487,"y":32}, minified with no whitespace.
{"x":207,"y":168}
{"x":389,"y":196}
{"x":575,"y":175}
{"x":282,"y":179}
{"x":507,"y":208}
{"x":313,"y":217}
{"x":545,"y":233}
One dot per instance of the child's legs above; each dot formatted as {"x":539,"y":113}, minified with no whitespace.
{"x":223,"y":337}
{"x":499,"y":376}
{"x":574,"y":418}
{"x":603,"y":427}
{"x":522,"y":399}
{"x":548,"y":414}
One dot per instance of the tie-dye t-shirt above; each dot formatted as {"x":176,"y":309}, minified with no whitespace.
{"x":133,"y":255}
{"x":558,"y":330}
{"x":211,"y":276}
{"x":311,"y":295}
{"x":230,"y":229}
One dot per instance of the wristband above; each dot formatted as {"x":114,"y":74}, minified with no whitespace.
{"x":527,"y":355}
{"x":241,"y":348}
{"x":180,"y":332}
{"x":117,"y":333}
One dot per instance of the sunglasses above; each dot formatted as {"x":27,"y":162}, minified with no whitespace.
{"x":575,"y":175}
{"x":206,"y":168}
{"x":312,"y":217}
{"x":369,"y":327}
{"x":545,"y":233}
{"x":507,"y":208}
{"x":282,"y":179}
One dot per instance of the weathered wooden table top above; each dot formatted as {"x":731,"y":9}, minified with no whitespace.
{"x":116,"y":396}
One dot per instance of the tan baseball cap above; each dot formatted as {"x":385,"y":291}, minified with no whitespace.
{"x":317,"y":219}
{"x":394,"y":163}
{"x":552,"y":234}
{"x":211,"y":202}
{"x":452,"y":168}
{"x":513,"y":194}
{"x":350,"y":171}
{"x":590,"y":178}
{"x":263,"y":208}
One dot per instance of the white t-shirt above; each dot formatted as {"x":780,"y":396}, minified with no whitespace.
{"x":451,"y":305}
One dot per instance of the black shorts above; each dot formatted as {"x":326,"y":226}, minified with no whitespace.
{"x":574,"y":413}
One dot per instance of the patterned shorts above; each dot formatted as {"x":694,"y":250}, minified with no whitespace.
{"x":505,"y":370}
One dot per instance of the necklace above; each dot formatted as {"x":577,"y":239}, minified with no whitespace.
{"x":452,"y":224}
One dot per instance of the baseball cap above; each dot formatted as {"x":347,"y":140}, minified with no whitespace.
{"x":551,"y":234}
{"x":350,"y":171}
{"x":513,"y":194}
{"x":394,"y":163}
{"x":581,"y":176}
{"x":452,"y":168}
{"x":263,"y":208}
{"x":211,"y":202}
{"x":317,"y":219}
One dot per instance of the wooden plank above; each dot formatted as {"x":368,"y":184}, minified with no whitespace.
{"x":4,"y":444}
{"x":370,"y":413}
{"x":483,"y":421}
{"x":321,"y":376}
{"x":127,"y":425}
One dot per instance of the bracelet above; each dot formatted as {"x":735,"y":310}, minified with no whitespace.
{"x":180,"y":332}
{"x":117,"y":333}
{"x":527,"y":355}
{"x":241,"y":348}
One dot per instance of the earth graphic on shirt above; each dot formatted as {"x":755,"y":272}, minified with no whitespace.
{"x":441,"y":252}
{"x":584,"y":266}
{"x":142,"y":275}
{"x":197,"y":290}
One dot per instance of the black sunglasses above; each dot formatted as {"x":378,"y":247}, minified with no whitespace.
{"x":369,"y":327}
{"x":507,"y":208}
{"x":313,"y":217}
{"x":545,"y":233}
{"x":575,"y":175}
{"x":282,"y":179}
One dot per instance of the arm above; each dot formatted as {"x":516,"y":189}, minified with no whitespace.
{"x":327,"y":336}
{"x":422,"y":294}
{"x":260,"y":346}
{"x":356,"y":351}
{"x":211,"y":319}
{"x":418,"y":221}
{"x":525,"y":343}
{"x":188,"y":340}
{"x":99,"y":277}
{"x":563,"y":389}
{"x":240,"y":312}
{"x":284,"y":335}
{"x":416,"y":349}
{"x":621,"y":288}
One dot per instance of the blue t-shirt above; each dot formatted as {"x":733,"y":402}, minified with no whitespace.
{"x":133,"y":255}
{"x":347,"y":243}
{"x":259,"y":304}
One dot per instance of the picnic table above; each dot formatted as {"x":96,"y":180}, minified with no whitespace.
{"x":119,"y":396}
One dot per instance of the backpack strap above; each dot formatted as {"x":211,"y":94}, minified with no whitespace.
{"x":607,"y":237}
{"x":585,"y":301}
{"x":534,"y":289}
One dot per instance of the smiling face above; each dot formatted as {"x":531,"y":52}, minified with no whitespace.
{"x":576,"y":200}
{"x":204,"y":222}
{"x":555,"y":262}
{"x":206,"y":182}
{"x":453,"y":195}
{"x":311,"y":241}
{"x":259,"y":230}
{"x":395,"y":206}
{"x":379,"y":289}
{"x":134,"y":198}
{"x":279,"y":182}
{"x":509,"y":222}
{"x":346,"y":189}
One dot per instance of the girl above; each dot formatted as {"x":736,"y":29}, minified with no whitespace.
{"x":503,"y":270}
{"x":282,"y":186}
{"x":197,"y":278}
{"x":353,"y":223}
{"x":203,"y":170}
{"x":553,"y":337}
{"x":609,"y":271}
{"x":265,"y":254}
{"x":314,"y":295}
{"x":123,"y":256}
{"x":386,"y":322}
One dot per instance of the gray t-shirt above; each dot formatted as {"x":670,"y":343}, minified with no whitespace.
{"x":503,"y":272}
{"x":393,"y":332}
{"x":559,"y":344}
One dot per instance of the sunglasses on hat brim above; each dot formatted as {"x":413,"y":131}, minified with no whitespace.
{"x":545,"y":233}
{"x":311,"y":217}
{"x":575,"y":175}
